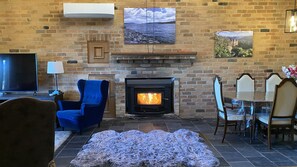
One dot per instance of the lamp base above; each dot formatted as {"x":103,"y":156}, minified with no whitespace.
{"x":55,"y":92}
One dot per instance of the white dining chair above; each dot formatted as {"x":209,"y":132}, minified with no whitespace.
{"x":271,"y":81}
{"x":229,"y":117}
{"x":283,"y":110}
{"x":245,"y":83}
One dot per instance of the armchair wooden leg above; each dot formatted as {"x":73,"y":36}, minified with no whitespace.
{"x":244,"y":127}
{"x":269,"y":137}
{"x":277,"y":132}
{"x":239,"y":128}
{"x":225,"y":131}
{"x":283,"y":130}
{"x":292,"y":136}
{"x":254,"y":125}
{"x":217,"y":126}
{"x":252,"y":133}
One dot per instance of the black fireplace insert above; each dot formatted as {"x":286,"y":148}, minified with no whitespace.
{"x":148,"y":96}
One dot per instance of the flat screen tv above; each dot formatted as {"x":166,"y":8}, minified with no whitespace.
{"x":18,"y":72}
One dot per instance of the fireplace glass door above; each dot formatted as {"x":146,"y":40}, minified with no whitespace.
{"x":149,"y":95}
{"x":150,"y":98}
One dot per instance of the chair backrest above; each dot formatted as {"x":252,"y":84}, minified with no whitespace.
{"x":245,"y":83}
{"x":93,"y":91}
{"x":285,"y":99}
{"x":271,"y":81}
{"x":27,"y":132}
{"x":217,"y":88}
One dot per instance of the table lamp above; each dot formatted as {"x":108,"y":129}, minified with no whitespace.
{"x":55,"y":67}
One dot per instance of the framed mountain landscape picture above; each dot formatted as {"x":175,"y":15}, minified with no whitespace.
{"x":233,"y":44}
{"x":149,"y":25}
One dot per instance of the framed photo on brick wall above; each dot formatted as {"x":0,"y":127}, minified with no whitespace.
{"x":98,"y":51}
{"x":149,"y":25}
{"x":230,"y":44}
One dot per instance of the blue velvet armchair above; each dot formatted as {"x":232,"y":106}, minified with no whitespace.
{"x":89,"y":110}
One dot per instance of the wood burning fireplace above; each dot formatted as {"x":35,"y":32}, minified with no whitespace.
{"x":148,"y":96}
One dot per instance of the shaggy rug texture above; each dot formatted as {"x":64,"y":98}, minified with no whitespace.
{"x":61,"y":137}
{"x":154,"y":149}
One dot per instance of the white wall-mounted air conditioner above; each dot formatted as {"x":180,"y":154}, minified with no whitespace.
{"x":88,"y":10}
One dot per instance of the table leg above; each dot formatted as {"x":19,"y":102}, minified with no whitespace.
{"x":254,"y":129}
{"x":253,"y":122}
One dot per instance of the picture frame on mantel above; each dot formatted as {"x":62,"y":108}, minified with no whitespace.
{"x":149,"y":25}
{"x":229,"y":44}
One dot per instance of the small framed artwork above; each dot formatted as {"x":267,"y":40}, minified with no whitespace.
{"x":98,"y":51}
{"x":230,"y":44}
{"x":149,"y":25}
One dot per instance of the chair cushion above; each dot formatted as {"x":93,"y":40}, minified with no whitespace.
{"x":234,"y":115}
{"x":69,"y":114}
{"x":264,"y":117}
{"x":71,"y":119}
{"x":232,"y":105}
{"x":228,"y":105}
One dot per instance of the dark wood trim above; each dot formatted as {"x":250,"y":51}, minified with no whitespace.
{"x":147,"y":56}
{"x":152,"y":53}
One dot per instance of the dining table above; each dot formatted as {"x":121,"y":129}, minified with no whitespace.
{"x":256,"y":100}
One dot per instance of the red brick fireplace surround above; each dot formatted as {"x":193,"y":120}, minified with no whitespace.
{"x":149,"y":65}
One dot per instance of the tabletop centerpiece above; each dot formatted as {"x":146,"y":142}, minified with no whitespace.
{"x":290,"y":71}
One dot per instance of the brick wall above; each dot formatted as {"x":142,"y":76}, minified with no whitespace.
{"x":39,"y":26}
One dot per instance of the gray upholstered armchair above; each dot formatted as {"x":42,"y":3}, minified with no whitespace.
{"x":27,"y":132}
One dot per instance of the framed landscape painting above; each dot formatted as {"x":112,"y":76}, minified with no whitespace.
{"x":233,"y":44}
{"x":149,"y":25}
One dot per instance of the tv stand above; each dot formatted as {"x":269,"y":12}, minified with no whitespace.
{"x":41,"y":96}
{"x":4,"y":93}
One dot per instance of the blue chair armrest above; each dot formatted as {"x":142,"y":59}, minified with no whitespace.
{"x":85,"y":108}
{"x":90,"y":109}
{"x":69,"y":105}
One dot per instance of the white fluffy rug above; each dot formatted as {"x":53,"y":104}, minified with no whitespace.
{"x":61,"y":137}
{"x":154,"y":149}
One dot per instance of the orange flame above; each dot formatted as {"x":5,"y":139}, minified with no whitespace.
{"x":149,"y":98}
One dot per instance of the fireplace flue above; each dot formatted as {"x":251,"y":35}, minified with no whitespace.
{"x":148,"y":96}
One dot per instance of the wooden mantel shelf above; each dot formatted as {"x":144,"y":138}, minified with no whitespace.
{"x":118,"y":56}
{"x":153,"y":53}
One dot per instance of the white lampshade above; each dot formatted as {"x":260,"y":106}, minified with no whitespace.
{"x":55,"y":67}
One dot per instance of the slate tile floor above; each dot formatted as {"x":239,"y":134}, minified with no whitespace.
{"x":235,"y":151}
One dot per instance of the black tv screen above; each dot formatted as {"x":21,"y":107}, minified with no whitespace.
{"x":18,"y":72}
